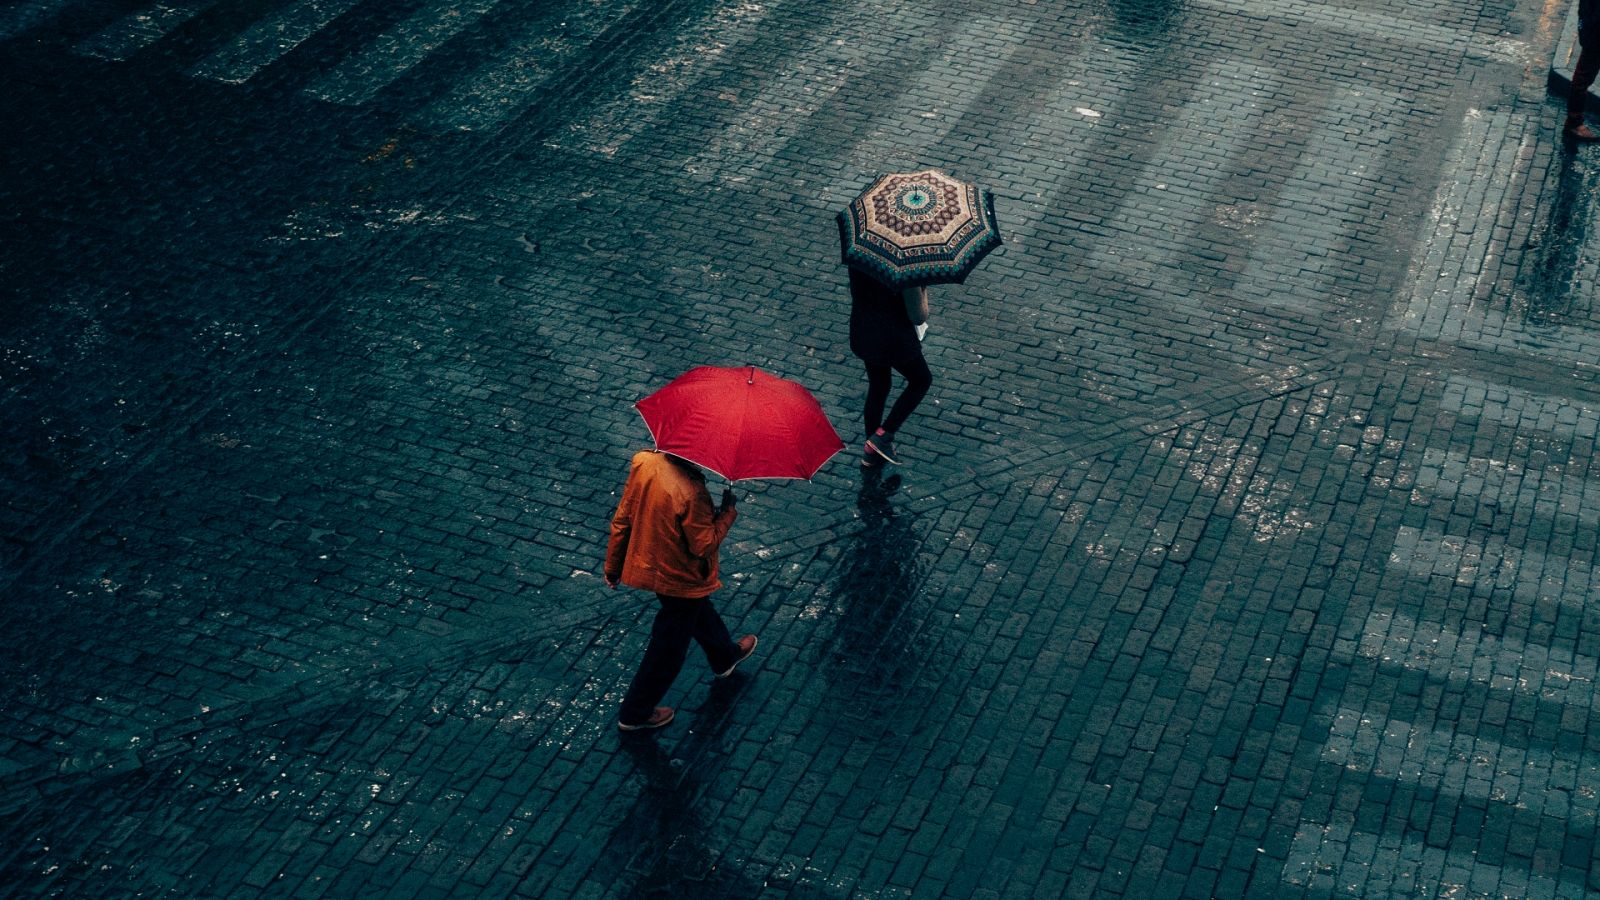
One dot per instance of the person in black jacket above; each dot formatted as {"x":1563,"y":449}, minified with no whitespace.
{"x":1584,"y":72}
{"x":885,"y":334}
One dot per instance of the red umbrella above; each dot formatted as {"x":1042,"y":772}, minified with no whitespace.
{"x":741,"y":423}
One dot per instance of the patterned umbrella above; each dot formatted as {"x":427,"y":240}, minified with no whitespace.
{"x":918,"y":228}
{"x":741,"y":423}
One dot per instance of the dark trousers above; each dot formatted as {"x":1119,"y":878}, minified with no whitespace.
{"x":678,"y":621}
{"x":1582,"y":76}
{"x":879,"y":380}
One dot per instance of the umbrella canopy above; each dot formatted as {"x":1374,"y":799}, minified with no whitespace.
{"x":918,"y":228}
{"x":741,"y":423}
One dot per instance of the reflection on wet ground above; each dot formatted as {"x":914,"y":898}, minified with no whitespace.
{"x":1147,"y":24}
{"x":877,"y":580}
{"x":667,"y":845}
{"x":1563,"y":289}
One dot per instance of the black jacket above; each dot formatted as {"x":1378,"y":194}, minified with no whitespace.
{"x":881,"y":332}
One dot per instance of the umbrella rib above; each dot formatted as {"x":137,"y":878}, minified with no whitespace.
{"x":744,"y":413}
{"x":648,"y":427}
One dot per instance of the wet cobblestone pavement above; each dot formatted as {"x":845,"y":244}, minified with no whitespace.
{"x":1244,"y":546}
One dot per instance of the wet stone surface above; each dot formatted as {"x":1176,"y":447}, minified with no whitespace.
{"x":1243,"y":547}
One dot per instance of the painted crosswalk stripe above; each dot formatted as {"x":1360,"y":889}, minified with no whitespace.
{"x":1512,"y":488}
{"x":764,"y":122}
{"x":1370,"y":26}
{"x":1555,"y":416}
{"x":694,"y":56}
{"x":358,"y":78}
{"x":19,"y":18}
{"x":1406,"y":752}
{"x":501,"y":87}
{"x":1094,"y":84}
{"x":266,"y":41}
{"x":1298,"y":251}
{"x":1440,"y":301}
{"x":1486,"y":566}
{"x":912,"y":135}
{"x":1469,"y":658}
{"x":745,"y":148}
{"x":132,"y":33}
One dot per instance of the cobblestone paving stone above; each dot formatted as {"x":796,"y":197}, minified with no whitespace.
{"x":1243,"y":549}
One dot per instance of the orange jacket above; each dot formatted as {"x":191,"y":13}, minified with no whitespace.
{"x":665,"y":533}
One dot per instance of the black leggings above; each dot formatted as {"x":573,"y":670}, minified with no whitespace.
{"x":879,"y":380}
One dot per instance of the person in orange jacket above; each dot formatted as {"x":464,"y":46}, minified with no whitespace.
{"x":664,"y":538}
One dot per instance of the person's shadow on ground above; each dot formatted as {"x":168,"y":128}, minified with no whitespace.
{"x":666,"y":845}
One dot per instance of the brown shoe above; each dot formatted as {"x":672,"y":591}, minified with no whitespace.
{"x":747,"y":646}
{"x":1581,"y":132}
{"x":660,"y":717}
